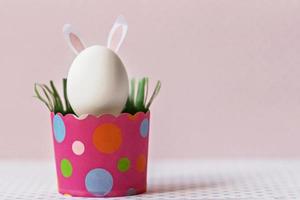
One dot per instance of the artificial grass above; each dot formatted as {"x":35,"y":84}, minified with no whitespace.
{"x":136,"y":102}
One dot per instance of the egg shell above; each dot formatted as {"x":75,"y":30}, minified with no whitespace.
{"x":97,"y":82}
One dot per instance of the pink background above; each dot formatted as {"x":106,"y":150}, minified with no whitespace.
{"x":230,"y":72}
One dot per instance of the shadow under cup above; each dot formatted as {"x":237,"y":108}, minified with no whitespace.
{"x":102,"y":156}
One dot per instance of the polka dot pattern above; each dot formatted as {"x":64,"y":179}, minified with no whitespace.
{"x":131,"y":191}
{"x":144,"y":128}
{"x":66,"y":168}
{"x":59,"y":129}
{"x":78,"y":147}
{"x":99,"y":182}
{"x":107,"y":138}
{"x":141,"y":163}
{"x":123,"y":164}
{"x":102,"y":156}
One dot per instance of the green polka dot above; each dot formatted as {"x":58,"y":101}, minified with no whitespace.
{"x":123,"y":164}
{"x":66,"y":168}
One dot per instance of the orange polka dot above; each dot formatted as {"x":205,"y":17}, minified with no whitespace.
{"x":141,"y":163}
{"x":107,"y":138}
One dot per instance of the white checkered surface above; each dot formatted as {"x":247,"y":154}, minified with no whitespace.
{"x":170,"y":180}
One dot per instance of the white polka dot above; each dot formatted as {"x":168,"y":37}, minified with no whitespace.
{"x":78,"y":147}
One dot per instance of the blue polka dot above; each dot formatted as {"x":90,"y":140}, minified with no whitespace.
{"x":99,"y":182}
{"x":131,"y":191}
{"x":59,"y":128}
{"x":144,"y":128}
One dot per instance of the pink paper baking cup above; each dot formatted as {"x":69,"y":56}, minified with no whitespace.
{"x":102,"y":156}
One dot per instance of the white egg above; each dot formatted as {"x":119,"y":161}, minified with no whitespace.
{"x":97,"y":82}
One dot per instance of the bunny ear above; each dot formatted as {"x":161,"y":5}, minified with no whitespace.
{"x":72,"y":39}
{"x":120,"y":22}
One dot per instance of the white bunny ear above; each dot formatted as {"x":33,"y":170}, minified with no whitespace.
{"x":120,"y":22}
{"x":72,"y":39}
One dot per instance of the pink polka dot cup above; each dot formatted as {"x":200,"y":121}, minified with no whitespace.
{"x":102,"y":156}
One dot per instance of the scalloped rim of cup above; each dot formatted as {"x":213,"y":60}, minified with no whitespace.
{"x":86,"y":116}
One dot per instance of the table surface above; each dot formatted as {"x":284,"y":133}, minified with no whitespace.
{"x":181,"y":179}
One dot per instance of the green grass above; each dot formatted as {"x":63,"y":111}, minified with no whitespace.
{"x":136,"y":102}
{"x":50,"y":97}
